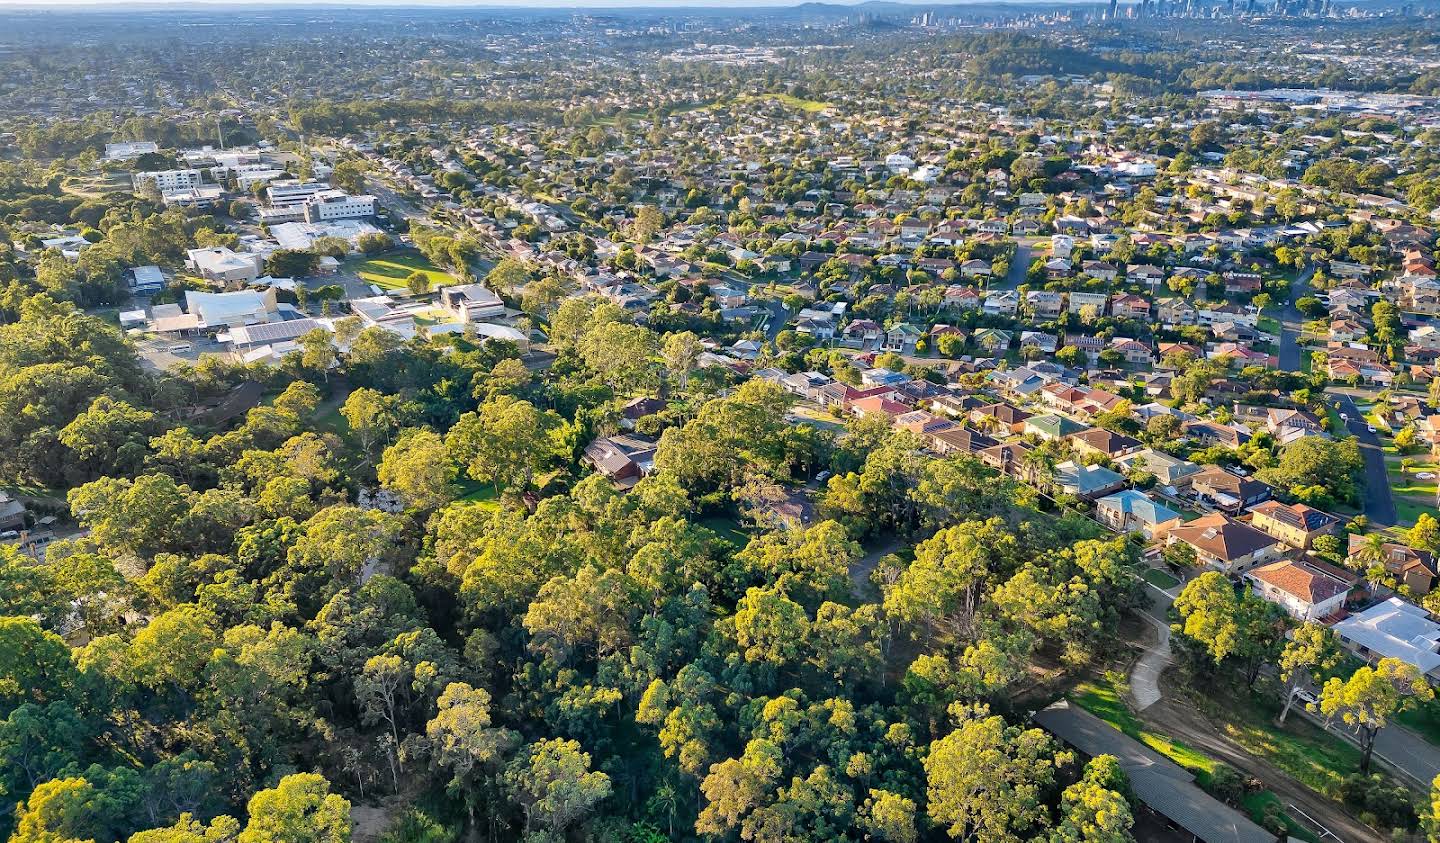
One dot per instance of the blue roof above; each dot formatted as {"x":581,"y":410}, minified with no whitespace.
{"x":1140,"y":505}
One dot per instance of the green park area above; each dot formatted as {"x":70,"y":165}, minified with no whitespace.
{"x":793,"y":101}
{"x":391,"y":270}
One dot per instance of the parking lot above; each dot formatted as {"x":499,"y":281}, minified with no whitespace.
{"x":162,"y":353}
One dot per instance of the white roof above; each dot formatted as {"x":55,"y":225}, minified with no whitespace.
{"x":1395,"y":629}
{"x":302,"y":235}
{"x":219,"y":259}
{"x":146,"y":275}
{"x":218,"y":308}
{"x":491,"y":331}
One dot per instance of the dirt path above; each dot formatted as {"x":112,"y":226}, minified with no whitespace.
{"x":861,"y":569}
{"x":1145,"y":678}
{"x":1173,"y":716}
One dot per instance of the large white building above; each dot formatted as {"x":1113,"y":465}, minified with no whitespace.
{"x":241,"y":307}
{"x":249,"y":175}
{"x":293,"y":192}
{"x":169,"y":181}
{"x":126,"y":150}
{"x":471,"y":302}
{"x":338,"y":205}
{"x":223,"y":265}
{"x":302,"y":235}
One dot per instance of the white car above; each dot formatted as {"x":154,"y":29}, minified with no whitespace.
{"x":1370,"y":427}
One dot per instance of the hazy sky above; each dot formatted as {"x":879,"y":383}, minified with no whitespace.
{"x":118,"y":5}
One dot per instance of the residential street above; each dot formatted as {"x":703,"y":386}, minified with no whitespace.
{"x":1291,"y":320}
{"x":1024,"y":254}
{"x":1378,"y":502}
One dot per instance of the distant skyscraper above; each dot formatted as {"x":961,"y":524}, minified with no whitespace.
{"x":1113,"y":5}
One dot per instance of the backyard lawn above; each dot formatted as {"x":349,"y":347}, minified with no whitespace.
{"x":727,"y":528}
{"x":389,"y":271}
{"x":475,"y":492}
{"x":1159,"y":578}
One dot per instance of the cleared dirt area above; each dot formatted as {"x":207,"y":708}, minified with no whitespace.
{"x":1173,"y":715}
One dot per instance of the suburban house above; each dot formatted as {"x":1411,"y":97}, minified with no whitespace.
{"x":1101,"y":442}
{"x":1039,"y":340}
{"x":1001,"y":303}
{"x":1079,"y":301}
{"x":1226,"y":544}
{"x":1228,"y":492}
{"x":1052,"y":428}
{"x":12,"y":513}
{"x":1100,"y":269}
{"x":962,"y":298}
{"x":1394,"y":629}
{"x":1130,"y":511}
{"x":1176,"y":312}
{"x":1000,"y":416}
{"x":1169,"y":471}
{"x":1130,"y":306}
{"x":1134,"y":351}
{"x":1295,"y":524}
{"x":1415,"y":568}
{"x":1306,"y":591}
{"x":1045,"y":303}
{"x":1087,"y":481}
{"x":902,"y":338}
{"x":959,"y":440}
{"x":992,"y":340}
{"x":623,"y":459}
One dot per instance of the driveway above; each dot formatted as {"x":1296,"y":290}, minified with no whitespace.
{"x":1379,"y":503}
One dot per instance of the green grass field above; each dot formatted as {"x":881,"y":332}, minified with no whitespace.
{"x":1311,"y":756}
{"x":1103,"y":700}
{"x":811,"y":106}
{"x":389,"y":271}
{"x":1412,"y":494}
